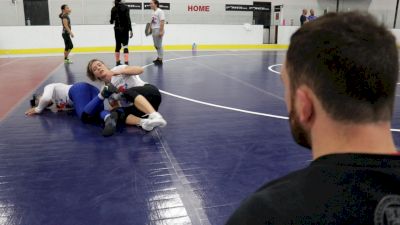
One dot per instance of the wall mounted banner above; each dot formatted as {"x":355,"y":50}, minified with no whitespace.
{"x":134,"y":5}
{"x":252,"y":8}
{"x":277,"y":8}
{"x":163,"y":6}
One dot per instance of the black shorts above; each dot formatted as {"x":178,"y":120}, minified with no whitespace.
{"x":67,"y":41}
{"x":150,"y":92}
{"x":121,"y":36}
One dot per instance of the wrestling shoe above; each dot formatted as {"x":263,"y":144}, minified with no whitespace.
{"x":158,"y":62}
{"x":155,"y":120}
{"x":110,"y":124}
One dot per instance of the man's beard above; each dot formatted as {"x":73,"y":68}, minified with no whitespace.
{"x":300,"y":135}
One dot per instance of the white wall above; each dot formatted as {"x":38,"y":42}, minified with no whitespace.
{"x":98,"y":11}
{"x":21,"y":37}
{"x":285,"y":32}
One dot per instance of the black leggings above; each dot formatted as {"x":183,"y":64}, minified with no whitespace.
{"x":121,"y":39}
{"x":149,"y":92}
{"x":67,"y":42}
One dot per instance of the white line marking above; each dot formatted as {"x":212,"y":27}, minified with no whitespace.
{"x":274,"y":71}
{"x":223,"y":107}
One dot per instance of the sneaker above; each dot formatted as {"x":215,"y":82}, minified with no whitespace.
{"x":108,"y":90}
{"x":158,"y":62}
{"x":155,"y":120}
{"x":144,"y":123}
{"x":110,"y":125}
{"x":127,"y":63}
{"x":118,"y":63}
{"x":67,"y":61}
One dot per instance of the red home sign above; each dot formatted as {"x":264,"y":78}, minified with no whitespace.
{"x":198,"y":8}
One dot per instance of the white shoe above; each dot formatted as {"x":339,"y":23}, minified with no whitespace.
{"x":157,"y":119}
{"x":154,"y":120}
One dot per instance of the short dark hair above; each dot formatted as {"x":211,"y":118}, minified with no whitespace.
{"x":89,"y":72}
{"x":62,"y":9}
{"x":157,"y":3}
{"x":350,"y":61}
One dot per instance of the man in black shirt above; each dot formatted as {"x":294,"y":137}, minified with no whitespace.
{"x":340,"y":79}
{"x":122,"y":28}
{"x":303,"y":17}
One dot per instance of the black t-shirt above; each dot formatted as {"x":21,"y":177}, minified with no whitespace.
{"x":303,"y":19}
{"x":334,"y":189}
{"x":120,"y":17}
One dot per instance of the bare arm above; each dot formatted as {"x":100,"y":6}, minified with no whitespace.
{"x":112,"y":15}
{"x":44,"y":101}
{"x":65,"y":24}
{"x":129,"y":70}
{"x":162,"y":27}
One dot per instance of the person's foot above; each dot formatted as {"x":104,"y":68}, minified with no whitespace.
{"x":155,"y":120}
{"x":110,"y":124}
{"x":158,"y":62}
{"x":67,"y":61}
{"x":108,"y":90}
{"x":126,"y":63}
{"x":118,"y":63}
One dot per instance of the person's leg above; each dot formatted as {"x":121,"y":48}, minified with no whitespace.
{"x":160,"y":49}
{"x":125,"y":45}
{"x":87,"y":101}
{"x":146,"y":100}
{"x":157,"y":45}
{"x":117,"y":46}
{"x":145,"y":123}
{"x":68,"y":47}
{"x":110,"y":122}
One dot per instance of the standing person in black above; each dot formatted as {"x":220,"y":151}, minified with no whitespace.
{"x":66,"y":32}
{"x":303,"y":17}
{"x":339,"y":77}
{"x":122,"y":28}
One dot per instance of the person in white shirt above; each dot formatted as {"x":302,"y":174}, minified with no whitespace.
{"x":157,"y":27}
{"x":138,"y":99}
{"x":82,"y":97}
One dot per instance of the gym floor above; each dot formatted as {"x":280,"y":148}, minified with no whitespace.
{"x":227,"y":134}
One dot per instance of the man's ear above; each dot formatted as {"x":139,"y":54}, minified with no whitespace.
{"x":305,"y":106}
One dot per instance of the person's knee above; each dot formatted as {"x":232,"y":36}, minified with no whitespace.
{"x":126,"y":48}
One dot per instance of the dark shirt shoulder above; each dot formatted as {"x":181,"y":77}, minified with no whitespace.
{"x":334,"y":189}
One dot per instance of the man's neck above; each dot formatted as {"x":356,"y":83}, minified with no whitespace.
{"x":332,"y":137}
